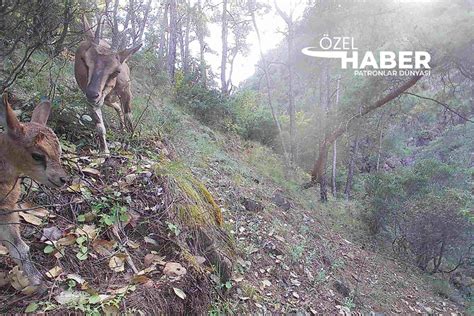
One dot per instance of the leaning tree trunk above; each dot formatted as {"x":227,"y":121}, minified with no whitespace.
{"x":318,"y":172}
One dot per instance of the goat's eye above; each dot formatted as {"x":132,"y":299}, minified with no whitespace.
{"x":38,"y":157}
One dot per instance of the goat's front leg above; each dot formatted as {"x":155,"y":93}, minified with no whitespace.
{"x":100,"y":127}
{"x":18,"y":249}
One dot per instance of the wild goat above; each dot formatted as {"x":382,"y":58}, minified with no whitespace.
{"x":104,"y":77}
{"x":26,"y":149}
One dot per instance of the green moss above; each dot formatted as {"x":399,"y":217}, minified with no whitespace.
{"x":197,"y":205}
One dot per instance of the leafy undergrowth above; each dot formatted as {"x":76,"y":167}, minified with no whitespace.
{"x":134,"y":232}
{"x":199,"y":222}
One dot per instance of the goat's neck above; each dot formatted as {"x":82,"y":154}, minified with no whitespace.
{"x":9,"y":177}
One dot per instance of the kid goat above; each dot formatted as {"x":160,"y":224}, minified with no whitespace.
{"x":26,"y":149}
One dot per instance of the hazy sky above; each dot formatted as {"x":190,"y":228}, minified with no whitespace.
{"x":269,"y":26}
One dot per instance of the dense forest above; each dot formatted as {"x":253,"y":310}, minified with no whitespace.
{"x":337,"y":178}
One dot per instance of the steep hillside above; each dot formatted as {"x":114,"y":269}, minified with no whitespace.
{"x":184,"y":219}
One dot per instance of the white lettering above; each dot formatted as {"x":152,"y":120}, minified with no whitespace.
{"x":387,"y":60}
{"x":354,"y":60}
{"x":422,"y":59}
{"x":404,"y":60}
{"x":369,"y":60}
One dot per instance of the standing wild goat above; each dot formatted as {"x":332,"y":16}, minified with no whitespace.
{"x":26,"y":149}
{"x":104,"y":76}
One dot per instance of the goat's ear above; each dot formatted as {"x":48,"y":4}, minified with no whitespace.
{"x":8,"y":118}
{"x":126,"y":53}
{"x":41,"y":113}
{"x":87,"y":29}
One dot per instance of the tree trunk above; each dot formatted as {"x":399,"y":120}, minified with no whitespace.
{"x":318,"y":171}
{"x":200,"y":29}
{"x":268,"y":86}
{"x":163,"y":39}
{"x":291,"y":97}
{"x":172,"y":40}
{"x":334,"y":148}
{"x":351,"y":166}
{"x":288,"y":18}
{"x":224,"y":48}
{"x":186,"y":39}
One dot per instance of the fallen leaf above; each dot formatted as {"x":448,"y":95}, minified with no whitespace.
{"x":149,"y":240}
{"x":140,"y":279}
{"x":74,"y":188}
{"x":147,"y":270}
{"x":267,"y":283}
{"x":67,"y":240}
{"x":51,"y":233}
{"x":71,"y":297}
{"x":91,"y":171}
{"x":174,"y":269}
{"x":18,"y":279}
{"x":75,"y":277}
{"x":104,"y":247}
{"x":200,"y":259}
{"x":132,"y":244}
{"x":179,"y":293}
{"x":38,"y":211}
{"x":124,"y":290}
{"x":31,"y":308}
{"x":3,"y":250}
{"x":89,"y":230}
{"x":116,"y":264}
{"x":54,"y":272}
{"x":154,"y":258}
{"x":29,"y":218}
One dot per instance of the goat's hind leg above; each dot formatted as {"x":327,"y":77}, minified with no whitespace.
{"x":114,"y":103}
{"x":18,"y":249}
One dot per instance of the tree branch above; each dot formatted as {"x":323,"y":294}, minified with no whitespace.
{"x":447,"y":107}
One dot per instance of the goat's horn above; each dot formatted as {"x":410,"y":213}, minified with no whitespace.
{"x":97,"y":30}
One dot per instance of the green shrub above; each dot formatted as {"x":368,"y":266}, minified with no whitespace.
{"x":239,"y":113}
{"x":423,"y":210}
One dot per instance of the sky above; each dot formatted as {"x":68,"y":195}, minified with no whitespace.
{"x":270,"y":27}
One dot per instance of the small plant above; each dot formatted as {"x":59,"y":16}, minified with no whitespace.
{"x":338,"y":263}
{"x":173,"y":228}
{"x":349,"y":303}
{"x":220,"y":307}
{"x":320,"y":278}
{"x":296,"y":252}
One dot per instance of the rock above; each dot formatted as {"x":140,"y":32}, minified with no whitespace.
{"x":428,"y":310}
{"x":280,"y":200}
{"x":342,"y":287}
{"x":252,"y":205}
{"x":270,"y":247}
{"x":129,"y":178}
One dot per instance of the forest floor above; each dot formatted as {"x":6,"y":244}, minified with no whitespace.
{"x":140,"y":232}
